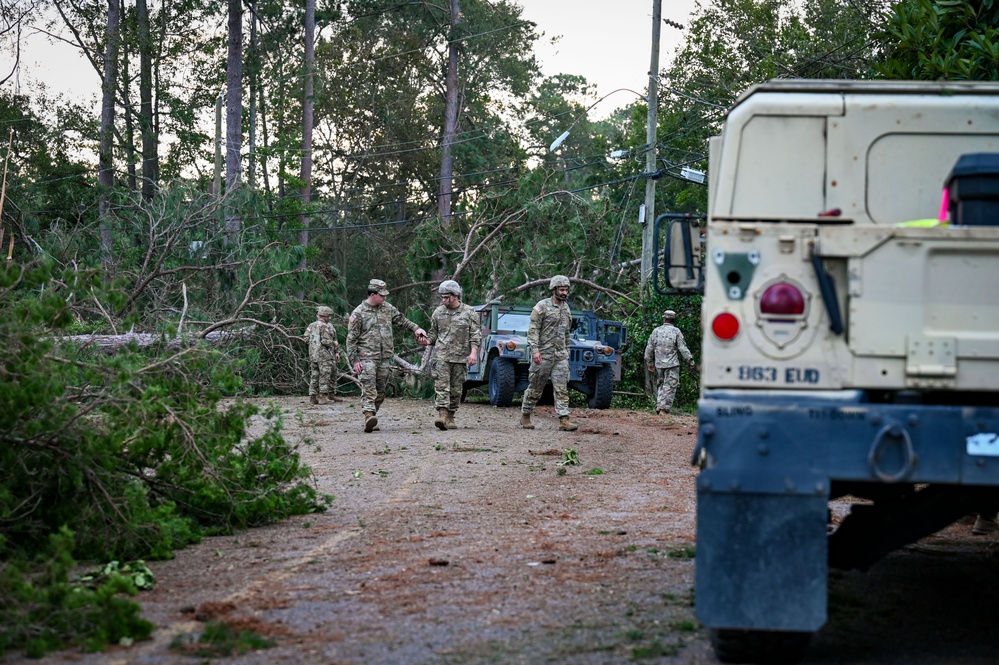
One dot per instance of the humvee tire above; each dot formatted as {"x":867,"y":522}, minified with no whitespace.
{"x":758,"y":646}
{"x":502,"y":378}
{"x":602,"y":382}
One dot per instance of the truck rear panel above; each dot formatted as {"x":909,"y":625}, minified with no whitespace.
{"x":846,"y":351}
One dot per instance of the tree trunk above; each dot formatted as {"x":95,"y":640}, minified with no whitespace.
{"x":280,"y":132}
{"x":234,"y":117}
{"x":265,"y":177}
{"x":128,"y":140}
{"x":150,"y":158}
{"x":444,"y":198}
{"x":253,"y":73}
{"x":307,"y":120}
{"x":450,"y":120}
{"x":106,"y":158}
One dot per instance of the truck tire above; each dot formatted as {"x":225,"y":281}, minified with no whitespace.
{"x":602,"y":382}
{"x":758,"y":646}
{"x":502,"y":378}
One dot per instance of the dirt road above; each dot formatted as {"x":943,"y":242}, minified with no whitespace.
{"x":476,"y":546}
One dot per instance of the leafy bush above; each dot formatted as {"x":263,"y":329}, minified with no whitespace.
{"x":135,"y":451}
{"x":41,"y":610}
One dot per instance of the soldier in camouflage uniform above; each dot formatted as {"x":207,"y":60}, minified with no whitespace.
{"x":662,"y":356}
{"x":370,"y":346}
{"x":455,"y":333}
{"x":548,"y":337}
{"x":324,"y":351}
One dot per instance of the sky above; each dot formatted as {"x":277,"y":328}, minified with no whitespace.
{"x":607,"y":41}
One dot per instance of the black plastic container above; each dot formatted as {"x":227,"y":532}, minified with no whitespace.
{"x":973,"y":188}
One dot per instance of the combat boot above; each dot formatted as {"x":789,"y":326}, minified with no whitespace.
{"x":324,"y":398}
{"x":566,"y":425}
{"x":370,"y":421}
{"x":985,"y":524}
{"x":313,"y":399}
{"x":334,"y":398}
{"x":525,"y":421}
{"x":450,"y":421}
{"x":441,"y":420}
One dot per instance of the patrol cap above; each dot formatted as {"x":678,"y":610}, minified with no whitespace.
{"x":669,"y":315}
{"x":324,"y":311}
{"x":378,"y":286}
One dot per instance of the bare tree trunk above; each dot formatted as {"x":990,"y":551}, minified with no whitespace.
{"x":444,"y":198}
{"x":450,"y":120}
{"x":150,"y":158}
{"x":128,"y":144}
{"x":234,"y":117}
{"x":280,"y":132}
{"x":265,"y":140}
{"x":106,"y":159}
{"x":307,"y":121}
{"x":254,"y":82}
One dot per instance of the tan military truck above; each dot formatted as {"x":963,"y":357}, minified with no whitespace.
{"x":851,"y":341}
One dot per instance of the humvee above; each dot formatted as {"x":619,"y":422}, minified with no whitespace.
{"x":850,"y":341}
{"x":504,"y":356}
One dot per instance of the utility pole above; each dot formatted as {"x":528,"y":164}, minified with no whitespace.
{"x":651,"y":137}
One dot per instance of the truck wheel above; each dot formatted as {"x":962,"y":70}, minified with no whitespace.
{"x":758,"y":646}
{"x":502,"y":378}
{"x":602,"y":383}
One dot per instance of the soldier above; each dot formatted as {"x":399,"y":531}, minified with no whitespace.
{"x":370,"y":346}
{"x":455,"y":332}
{"x":665,"y":344}
{"x":324,"y":351}
{"x":548,"y":337}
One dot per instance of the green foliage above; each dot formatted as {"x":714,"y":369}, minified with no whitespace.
{"x":135,"y":450}
{"x":219,"y":640}
{"x":136,"y":571}
{"x":42,"y":610}
{"x":942,"y":39}
{"x":570,"y":457}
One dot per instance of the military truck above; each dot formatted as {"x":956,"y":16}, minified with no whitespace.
{"x":504,"y":357}
{"x":851,"y":341}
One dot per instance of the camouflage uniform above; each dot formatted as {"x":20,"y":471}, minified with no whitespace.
{"x":663,"y":350}
{"x":548,"y":335}
{"x":323,"y":348}
{"x":370,"y":342}
{"x":455,"y":332}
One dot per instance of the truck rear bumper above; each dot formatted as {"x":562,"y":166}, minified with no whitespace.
{"x":795,"y":442}
{"x":770,"y":461}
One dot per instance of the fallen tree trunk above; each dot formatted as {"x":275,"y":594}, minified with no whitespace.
{"x":111,"y":343}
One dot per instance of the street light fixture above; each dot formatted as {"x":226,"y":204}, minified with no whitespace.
{"x":557,"y":142}
{"x":564,"y":135}
{"x":693,"y":175}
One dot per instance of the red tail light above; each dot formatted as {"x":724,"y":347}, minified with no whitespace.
{"x":782,"y":299}
{"x":725,"y":326}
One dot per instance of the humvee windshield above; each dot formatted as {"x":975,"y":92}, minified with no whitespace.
{"x":513,"y":322}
